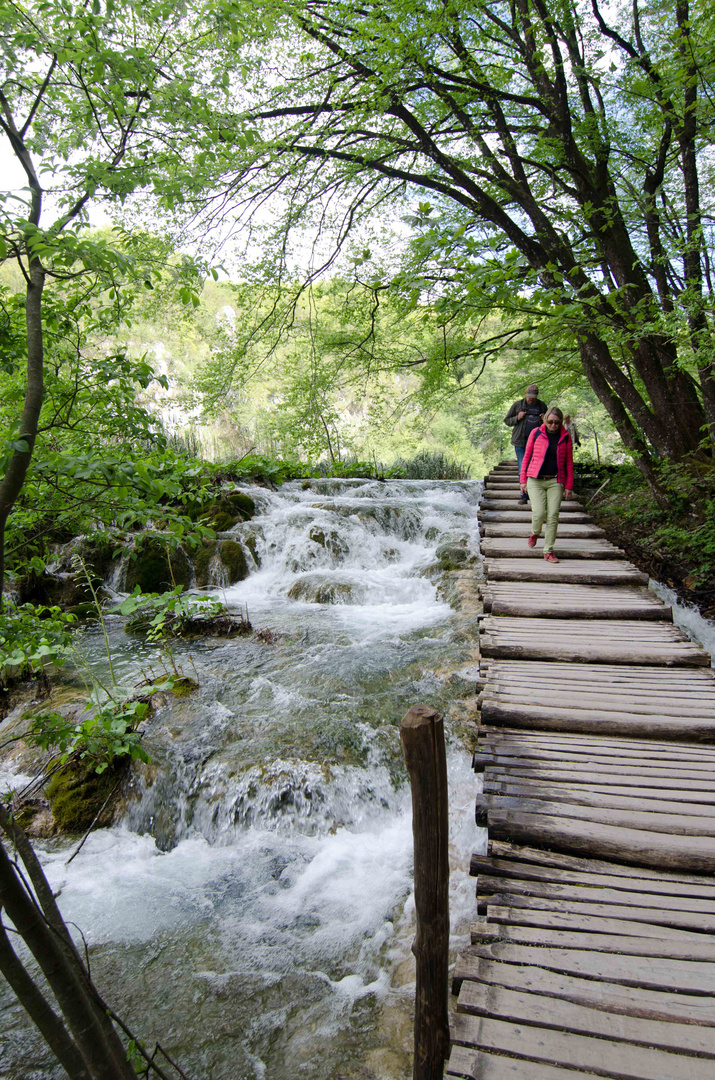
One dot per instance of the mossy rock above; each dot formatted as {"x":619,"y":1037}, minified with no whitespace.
{"x":77,"y":795}
{"x":149,"y":568}
{"x":183,"y":686}
{"x":228,"y":510}
{"x":202,"y":557}
{"x":233,"y":558}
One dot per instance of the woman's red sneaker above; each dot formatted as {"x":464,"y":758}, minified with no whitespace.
{"x":550,"y":557}
{"x":532,"y":540}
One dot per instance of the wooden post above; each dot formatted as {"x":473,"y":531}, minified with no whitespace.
{"x":422,"y":735}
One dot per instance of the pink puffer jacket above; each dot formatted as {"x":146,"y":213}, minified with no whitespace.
{"x":535,"y":452}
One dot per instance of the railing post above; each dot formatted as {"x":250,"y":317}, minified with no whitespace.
{"x":422,"y":735}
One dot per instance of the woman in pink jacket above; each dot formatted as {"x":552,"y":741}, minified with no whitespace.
{"x":546,"y":473}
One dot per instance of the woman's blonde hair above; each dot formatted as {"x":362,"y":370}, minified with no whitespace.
{"x":554,"y":410}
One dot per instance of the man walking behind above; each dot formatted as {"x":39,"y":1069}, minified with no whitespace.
{"x":525,"y":416}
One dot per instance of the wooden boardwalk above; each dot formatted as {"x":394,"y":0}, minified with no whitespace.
{"x":593,"y":951}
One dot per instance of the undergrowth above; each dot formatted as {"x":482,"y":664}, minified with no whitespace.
{"x":677,"y":544}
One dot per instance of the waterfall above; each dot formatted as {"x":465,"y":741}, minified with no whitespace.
{"x":253,"y":909}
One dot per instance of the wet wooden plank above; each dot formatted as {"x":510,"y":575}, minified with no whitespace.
{"x":687,"y":1009}
{"x":635,"y":846}
{"x":564,"y":547}
{"x":481,"y":1065}
{"x":594,"y":572}
{"x":598,"y":895}
{"x":551,"y":1046}
{"x":625,"y":878}
{"x":501,"y":1003}
{"x":673,"y":823}
{"x":629,"y":969}
{"x":587,"y":720}
{"x":530,"y":926}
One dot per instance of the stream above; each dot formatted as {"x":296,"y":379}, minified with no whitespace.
{"x":253,"y":909}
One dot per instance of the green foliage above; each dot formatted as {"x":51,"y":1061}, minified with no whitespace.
{"x":168,"y":614}
{"x":426,"y":466}
{"x":680,"y":537}
{"x":109,"y":733}
{"x":32,"y":639}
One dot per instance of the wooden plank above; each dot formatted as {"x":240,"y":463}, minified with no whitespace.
{"x":636,"y":846}
{"x":577,"y":610}
{"x":625,"y":879}
{"x":586,"y":720}
{"x":595,"y":572}
{"x":639,"y":701}
{"x":513,"y":752}
{"x":683,"y":920}
{"x":575,"y":772}
{"x":687,"y":1009}
{"x":614,"y":1059}
{"x":565,"y":549}
{"x":482,"y":999}
{"x":562,"y":861}
{"x":568,"y":627}
{"x":596,"y":799}
{"x":530,"y":926}
{"x":672,"y":823}
{"x":481,"y":1065}
{"x":529,"y":787}
{"x":599,"y":895}
{"x":524,"y":514}
{"x":586,"y":930}
{"x":654,"y":973}
{"x":523,"y":528}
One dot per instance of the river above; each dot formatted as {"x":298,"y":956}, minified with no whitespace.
{"x":253,"y":909}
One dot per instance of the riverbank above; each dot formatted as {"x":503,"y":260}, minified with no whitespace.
{"x":675,"y":546}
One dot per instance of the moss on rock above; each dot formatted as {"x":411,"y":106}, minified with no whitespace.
{"x":228,"y":510}
{"x":150,"y":568}
{"x":77,"y":795}
{"x":233,"y":558}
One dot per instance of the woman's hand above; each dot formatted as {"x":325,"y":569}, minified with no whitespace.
{"x":523,"y":488}
{"x":568,"y":494}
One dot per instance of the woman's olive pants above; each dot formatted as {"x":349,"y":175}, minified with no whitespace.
{"x":545,"y":498}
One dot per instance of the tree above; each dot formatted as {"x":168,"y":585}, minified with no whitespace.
{"x":85,"y":94}
{"x":564,"y":150}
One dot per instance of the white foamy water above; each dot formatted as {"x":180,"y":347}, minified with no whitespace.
{"x":688,"y":618}
{"x":261,"y":880}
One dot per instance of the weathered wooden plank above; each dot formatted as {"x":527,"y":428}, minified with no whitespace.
{"x":587,"y":720}
{"x":556,"y":626}
{"x":655,"y":973}
{"x":626,"y":878}
{"x":481,"y":1065}
{"x":483,"y":999}
{"x":672,"y":823}
{"x":564,"y":547}
{"x":529,"y":926}
{"x":586,"y":930}
{"x":534,"y":787}
{"x":597,"y":993}
{"x":524,"y":514}
{"x":614,"y":1059}
{"x":513,"y":752}
{"x":578,"y":610}
{"x":599,"y":895}
{"x":585,"y":771}
{"x":593,"y":572}
{"x":596,"y":799}
{"x":629,"y":701}
{"x":563,"y":861}
{"x":693,"y":921}
{"x":636,"y":846}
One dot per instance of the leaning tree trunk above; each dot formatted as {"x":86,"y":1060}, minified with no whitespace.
{"x":14,"y":477}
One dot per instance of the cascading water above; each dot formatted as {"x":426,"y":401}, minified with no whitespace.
{"x":252,"y":911}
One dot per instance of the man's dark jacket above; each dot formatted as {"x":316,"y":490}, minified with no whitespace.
{"x":519,"y":435}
